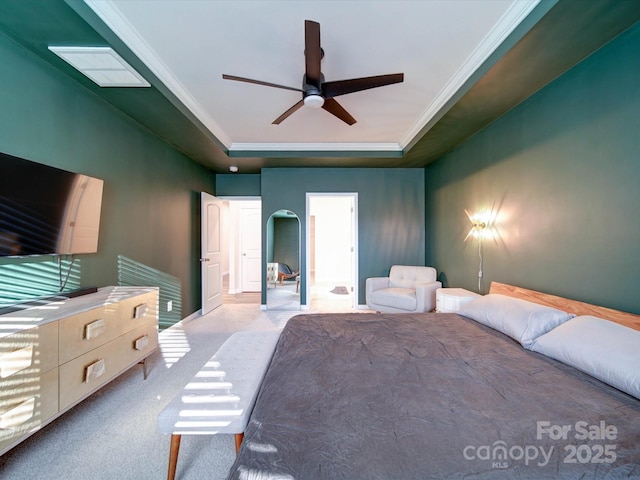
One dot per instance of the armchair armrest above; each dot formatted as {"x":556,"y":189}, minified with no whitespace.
{"x":426,"y":296}
{"x":376,"y":283}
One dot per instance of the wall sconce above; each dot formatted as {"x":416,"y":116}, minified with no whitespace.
{"x":479,"y":224}
{"x":480,"y":228}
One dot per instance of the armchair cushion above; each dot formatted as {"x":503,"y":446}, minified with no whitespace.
{"x":406,"y":289}
{"x":396,"y":297}
{"x":407,"y":277}
{"x":285,"y":273}
{"x":284,"y":269}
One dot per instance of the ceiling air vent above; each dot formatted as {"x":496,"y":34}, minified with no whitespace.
{"x":102,"y":65}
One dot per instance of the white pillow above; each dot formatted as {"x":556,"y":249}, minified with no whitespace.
{"x":522,"y":320}
{"x":603,"y":349}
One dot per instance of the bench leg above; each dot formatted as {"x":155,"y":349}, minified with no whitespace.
{"x":239,"y":437}
{"x":173,"y":456}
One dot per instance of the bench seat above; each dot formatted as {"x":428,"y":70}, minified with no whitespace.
{"x":220,"y":397}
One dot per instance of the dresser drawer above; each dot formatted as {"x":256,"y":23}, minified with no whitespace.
{"x":85,"y":331}
{"x":88,"y":330}
{"x":28,"y":353}
{"x":85,"y":374}
{"x":134,"y":311}
{"x":26,"y":406}
{"x":141,"y":342}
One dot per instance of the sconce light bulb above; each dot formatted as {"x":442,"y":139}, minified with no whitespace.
{"x":480,"y":224}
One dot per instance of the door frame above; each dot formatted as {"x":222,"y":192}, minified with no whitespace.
{"x":354,"y":257}
{"x":232,"y":237}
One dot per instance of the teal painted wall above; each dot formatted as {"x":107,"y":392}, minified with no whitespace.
{"x":151,"y":205}
{"x":286,"y":244}
{"x":238,"y":184}
{"x":562,"y":172}
{"x":391,"y":213}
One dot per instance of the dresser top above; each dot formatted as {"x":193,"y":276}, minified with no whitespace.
{"x":60,"y":307}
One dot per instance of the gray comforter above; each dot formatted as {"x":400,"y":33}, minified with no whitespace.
{"x":375,"y":396}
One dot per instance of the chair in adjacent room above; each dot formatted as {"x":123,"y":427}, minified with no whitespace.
{"x":285,"y":273}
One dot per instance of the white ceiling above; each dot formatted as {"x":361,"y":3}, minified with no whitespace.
{"x":189,"y":44}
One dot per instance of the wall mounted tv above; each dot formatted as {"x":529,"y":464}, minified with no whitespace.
{"x":47,"y":211}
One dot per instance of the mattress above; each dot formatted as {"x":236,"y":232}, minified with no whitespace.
{"x":436,"y":395}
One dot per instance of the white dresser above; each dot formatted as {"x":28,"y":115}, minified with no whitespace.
{"x":54,"y":355}
{"x":451,"y":299}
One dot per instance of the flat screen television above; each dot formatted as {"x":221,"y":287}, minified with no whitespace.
{"x":47,"y":211}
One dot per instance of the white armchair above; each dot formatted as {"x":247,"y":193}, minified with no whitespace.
{"x":406,"y":289}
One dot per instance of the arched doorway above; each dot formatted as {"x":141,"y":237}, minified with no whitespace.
{"x":283,"y":261}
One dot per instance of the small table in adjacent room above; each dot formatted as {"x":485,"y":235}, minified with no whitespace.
{"x":451,"y":299}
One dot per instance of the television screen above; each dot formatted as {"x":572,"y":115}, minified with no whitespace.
{"x":47,"y":211}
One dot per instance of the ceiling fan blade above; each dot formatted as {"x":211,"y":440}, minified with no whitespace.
{"x":312,"y":52}
{"x":342,"y":87}
{"x":333,"y":107}
{"x":278,"y":120}
{"x":260,"y":82}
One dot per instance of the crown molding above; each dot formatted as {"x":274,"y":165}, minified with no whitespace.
{"x":514,"y":15}
{"x":393,"y":150}
{"x":114,"y":19}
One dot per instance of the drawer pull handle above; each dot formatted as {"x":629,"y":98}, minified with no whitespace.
{"x":19,"y":414}
{"x":15,"y":361}
{"x":141,"y":343}
{"x":140,"y":311}
{"x":94,"y":329}
{"x":94,"y":371}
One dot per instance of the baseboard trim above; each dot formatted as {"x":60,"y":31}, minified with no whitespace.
{"x":193,"y":316}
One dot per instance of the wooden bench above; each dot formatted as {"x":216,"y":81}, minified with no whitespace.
{"x":220,"y":397}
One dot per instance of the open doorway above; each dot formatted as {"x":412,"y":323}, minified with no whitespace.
{"x":242,"y":280}
{"x":283,"y":261}
{"x":332,"y":250}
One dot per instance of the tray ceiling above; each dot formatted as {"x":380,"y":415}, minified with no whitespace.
{"x":461,"y":62}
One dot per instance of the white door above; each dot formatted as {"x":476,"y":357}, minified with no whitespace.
{"x":251,"y":253}
{"x":211,"y":250}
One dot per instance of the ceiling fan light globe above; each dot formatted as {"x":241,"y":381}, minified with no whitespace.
{"x":314,"y":101}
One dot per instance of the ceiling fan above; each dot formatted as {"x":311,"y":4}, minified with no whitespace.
{"x":316,"y":93}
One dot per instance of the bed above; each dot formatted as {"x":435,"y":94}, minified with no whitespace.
{"x":444,"y":395}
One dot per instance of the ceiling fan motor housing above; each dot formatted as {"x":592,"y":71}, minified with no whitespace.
{"x":311,"y":87}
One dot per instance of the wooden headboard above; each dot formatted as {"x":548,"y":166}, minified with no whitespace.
{"x":567,"y":305}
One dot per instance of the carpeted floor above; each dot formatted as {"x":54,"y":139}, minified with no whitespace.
{"x":283,"y":297}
